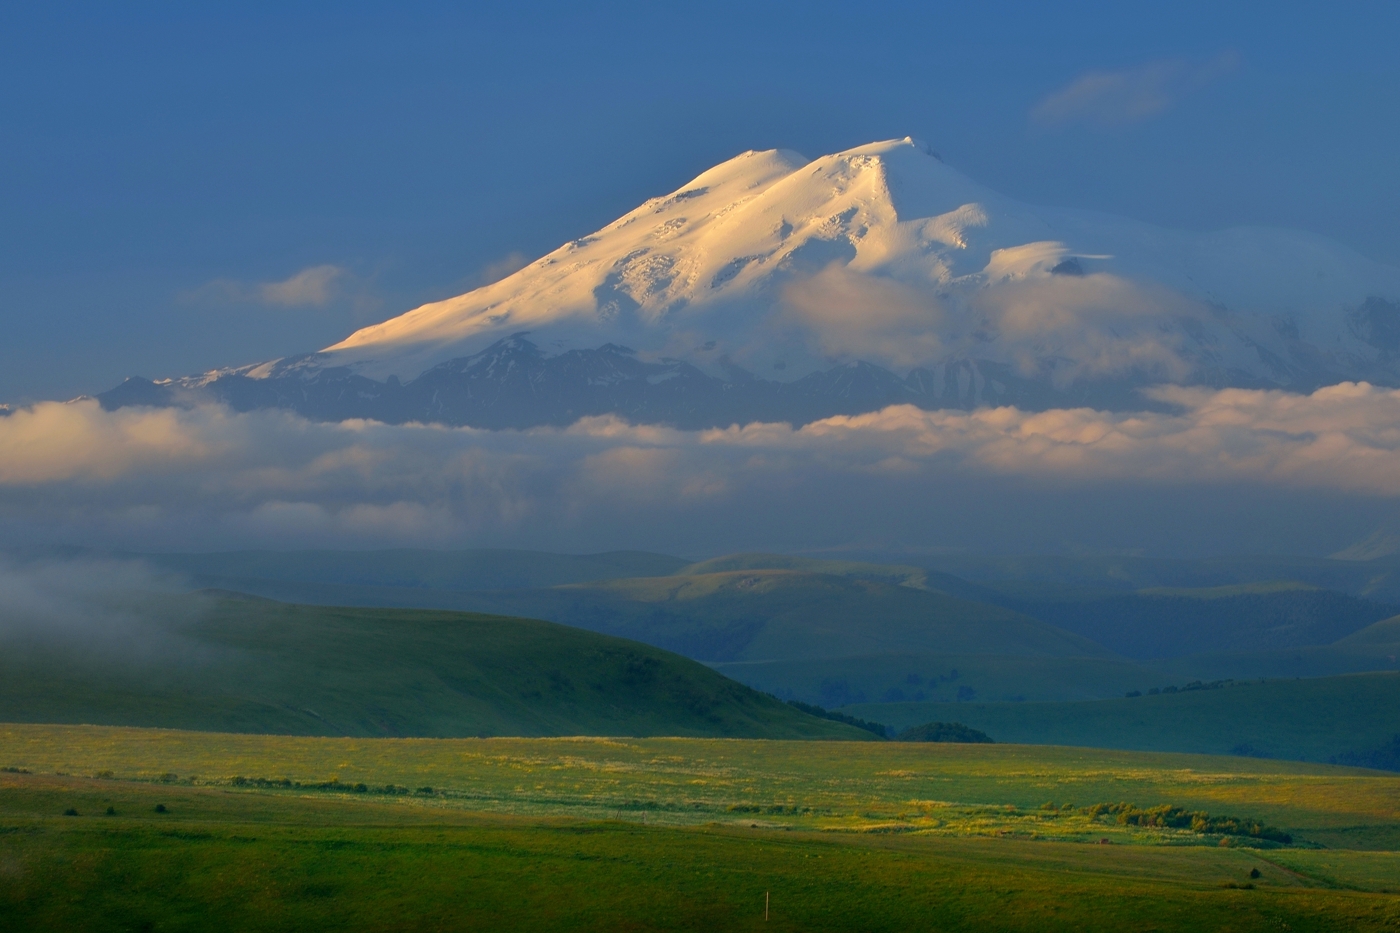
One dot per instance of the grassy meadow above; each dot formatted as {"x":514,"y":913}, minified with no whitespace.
{"x":229,"y":762}
{"x":888,"y":787}
{"x":605,"y":834}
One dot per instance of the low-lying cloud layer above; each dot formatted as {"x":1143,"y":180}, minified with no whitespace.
{"x":209,"y":477}
{"x":113,"y":609}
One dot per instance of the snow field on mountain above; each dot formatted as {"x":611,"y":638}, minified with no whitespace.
{"x":885,"y":254}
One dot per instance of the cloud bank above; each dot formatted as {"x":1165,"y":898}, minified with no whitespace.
{"x":1109,"y":98}
{"x":312,"y":287}
{"x":210,"y":477}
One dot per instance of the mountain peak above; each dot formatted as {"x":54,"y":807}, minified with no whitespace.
{"x":883,"y":252}
{"x":876,"y":275}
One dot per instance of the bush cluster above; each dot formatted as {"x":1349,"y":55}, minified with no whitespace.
{"x":944,"y":732}
{"x":1198,"y":821}
{"x":811,"y":710}
{"x":333,"y":784}
{"x":1193,"y":685}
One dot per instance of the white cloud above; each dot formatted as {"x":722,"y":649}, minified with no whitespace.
{"x":500,"y":268}
{"x":313,"y":287}
{"x":1092,"y":326}
{"x":1130,"y":95}
{"x":211,"y":477}
{"x":853,"y":315}
{"x":308,"y":288}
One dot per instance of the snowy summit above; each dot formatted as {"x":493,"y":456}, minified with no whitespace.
{"x":772,"y":286}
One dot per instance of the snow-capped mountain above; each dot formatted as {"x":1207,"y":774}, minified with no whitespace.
{"x":773,"y":287}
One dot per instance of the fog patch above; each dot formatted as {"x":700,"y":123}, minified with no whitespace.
{"x":95,"y":609}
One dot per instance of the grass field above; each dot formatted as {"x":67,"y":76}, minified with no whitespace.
{"x":939,"y":789}
{"x":1312,"y":720}
{"x":517,"y":834}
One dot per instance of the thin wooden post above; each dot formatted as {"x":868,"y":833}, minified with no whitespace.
{"x":765,"y":906}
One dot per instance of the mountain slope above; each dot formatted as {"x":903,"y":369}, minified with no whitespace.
{"x":239,"y":664}
{"x":1172,"y":622}
{"x":783,"y":614}
{"x":771,"y":287}
{"x":1348,"y":719}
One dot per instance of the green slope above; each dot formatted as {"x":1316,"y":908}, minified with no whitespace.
{"x":251,"y":665}
{"x":1344,"y":657}
{"x":1377,"y":579}
{"x":1385,"y":633}
{"x":905,"y":574}
{"x":1166,"y":622}
{"x":922,"y":677}
{"x":784,"y":614}
{"x":1310,"y":720}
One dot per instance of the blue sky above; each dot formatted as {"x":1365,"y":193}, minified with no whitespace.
{"x":163,"y":166}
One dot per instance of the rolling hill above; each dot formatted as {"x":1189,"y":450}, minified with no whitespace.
{"x":239,"y":664}
{"x":1350,"y":719}
{"x":1165,"y":622}
{"x":923,"y":677}
{"x":844,"y":631}
{"x":1377,"y":579}
{"x":752,"y":615}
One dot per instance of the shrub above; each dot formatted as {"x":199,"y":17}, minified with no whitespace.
{"x":111,"y":811}
{"x":70,"y":812}
{"x":1169,"y":817}
{"x":160,"y":808}
{"x":811,"y":710}
{"x":944,"y":732}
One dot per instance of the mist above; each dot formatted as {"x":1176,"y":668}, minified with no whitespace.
{"x":100,"y":609}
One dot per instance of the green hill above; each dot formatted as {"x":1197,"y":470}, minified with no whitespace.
{"x":785,"y":614}
{"x":904,"y":574}
{"x":1385,"y":633}
{"x":1344,"y":657}
{"x":1322,"y":719}
{"x":924,"y":677}
{"x":1167,"y":622}
{"x":237,"y":664}
{"x":1377,"y":579}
